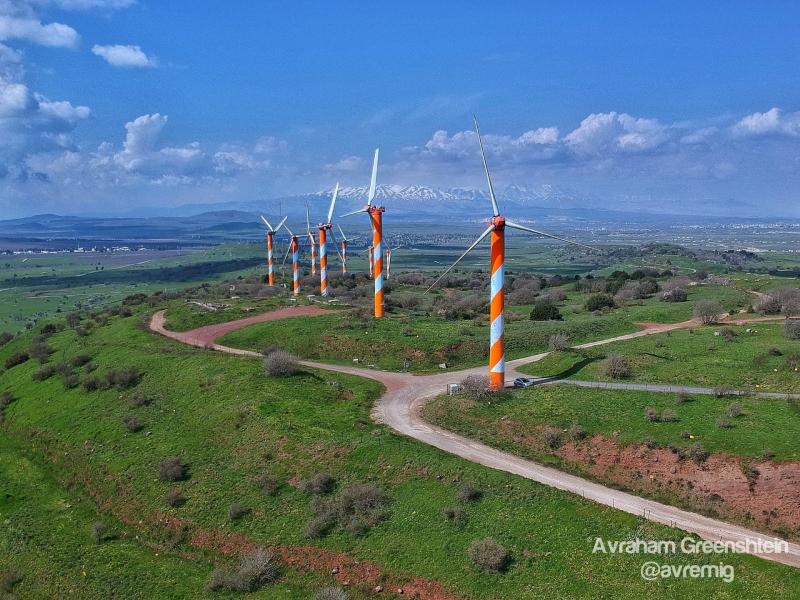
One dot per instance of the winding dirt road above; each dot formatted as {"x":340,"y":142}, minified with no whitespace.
{"x":400,"y":406}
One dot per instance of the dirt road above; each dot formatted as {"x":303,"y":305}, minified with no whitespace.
{"x":399,"y":408}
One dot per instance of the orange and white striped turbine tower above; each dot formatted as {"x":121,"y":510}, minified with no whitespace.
{"x":270,"y":233}
{"x":294,"y":248}
{"x":343,"y":254}
{"x":497,"y":229}
{"x":312,"y":242}
{"x":376,"y":219}
{"x":324,"y":228}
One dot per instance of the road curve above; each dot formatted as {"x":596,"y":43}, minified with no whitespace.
{"x":400,"y":407}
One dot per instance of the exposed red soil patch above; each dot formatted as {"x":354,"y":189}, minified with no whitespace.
{"x":771,"y":497}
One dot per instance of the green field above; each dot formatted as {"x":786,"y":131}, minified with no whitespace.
{"x":773,"y":424}
{"x":426,"y":339}
{"x":762,"y":360}
{"x":69,"y":461}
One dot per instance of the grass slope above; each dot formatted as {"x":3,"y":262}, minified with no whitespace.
{"x":231,"y":424}
{"x":693,"y":357}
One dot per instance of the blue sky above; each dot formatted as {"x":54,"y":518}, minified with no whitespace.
{"x":685,"y":107}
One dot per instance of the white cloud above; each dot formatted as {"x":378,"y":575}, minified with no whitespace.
{"x":33,"y":30}
{"x":603,"y":134}
{"x":130,"y":57}
{"x":347,"y":164}
{"x":772,"y":122}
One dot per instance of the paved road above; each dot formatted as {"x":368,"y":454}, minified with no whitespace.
{"x":400,"y":406}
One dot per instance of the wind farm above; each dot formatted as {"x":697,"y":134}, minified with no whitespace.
{"x":280,"y":319}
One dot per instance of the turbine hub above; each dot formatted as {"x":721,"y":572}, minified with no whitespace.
{"x":375,"y":209}
{"x":498,"y":222}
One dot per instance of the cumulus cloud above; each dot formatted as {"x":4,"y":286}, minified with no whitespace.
{"x":81,"y":5}
{"x":612,"y":132}
{"x":772,"y":122}
{"x":33,"y":30}
{"x":129,"y":57}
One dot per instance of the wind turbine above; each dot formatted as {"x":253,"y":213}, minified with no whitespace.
{"x":376,"y":218}
{"x":343,"y":254}
{"x":313,"y":243}
{"x":389,"y":260}
{"x":496,"y":228}
{"x":323,"y":249}
{"x":270,"y":233}
{"x":295,"y":248}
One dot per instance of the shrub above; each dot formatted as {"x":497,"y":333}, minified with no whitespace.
{"x":793,"y":361}
{"x":545,"y":310}
{"x":577,"y":433}
{"x":599,"y":302}
{"x":5,"y":337}
{"x":236,"y":511}
{"x":768,"y":304}
{"x":79,"y":360}
{"x":257,"y":569}
{"x":319,"y":483}
{"x":139,"y":398}
{"x":727,"y":333}
{"x":45,"y":372}
{"x":553,"y":437}
{"x":175,"y":498}
{"x":330,"y":593}
{"x":558,"y":341}
{"x":269,"y":485}
{"x":469,"y":493}
{"x":71,"y":380}
{"x":682,"y":398}
{"x":16,"y":359}
{"x":723,"y":423}
{"x":774,"y":351}
{"x":132,"y":423}
{"x":768,"y":453}
{"x":455,"y":515}
{"x":40,"y":350}
{"x":651,"y":414}
{"x":668,"y":416}
{"x":734,"y":410}
{"x":791,"y":329}
{"x":476,"y":387}
{"x":696,"y":452}
{"x":487,"y":555}
{"x":8,"y":581}
{"x":616,"y":366}
{"x":100,"y":533}
{"x":280,"y":364}
{"x":357,"y":508}
{"x":91,"y":383}
{"x":676,"y":294}
{"x":73,"y":319}
{"x":707,"y":311}
{"x":173,"y":469}
{"x":123,"y":378}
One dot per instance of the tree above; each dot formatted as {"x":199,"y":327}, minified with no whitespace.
{"x":545,"y":310}
{"x":707,"y":311}
{"x":599,"y":302}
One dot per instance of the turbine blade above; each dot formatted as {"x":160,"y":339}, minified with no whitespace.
{"x":281,"y":223}
{"x":266,"y":222}
{"x":336,"y":244}
{"x":308,"y":220}
{"x":549,"y":235}
{"x":460,"y":258}
{"x":286,"y":227}
{"x":355,"y":212}
{"x":288,"y":249}
{"x":373,"y":182}
{"x":486,"y":168}
{"x":333,"y":203}
{"x":344,"y":237}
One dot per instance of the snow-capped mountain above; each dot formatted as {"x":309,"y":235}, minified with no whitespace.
{"x":547,"y":195}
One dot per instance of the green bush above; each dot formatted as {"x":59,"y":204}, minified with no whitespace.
{"x":545,"y":310}
{"x":599,"y":302}
{"x":489,"y":556}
